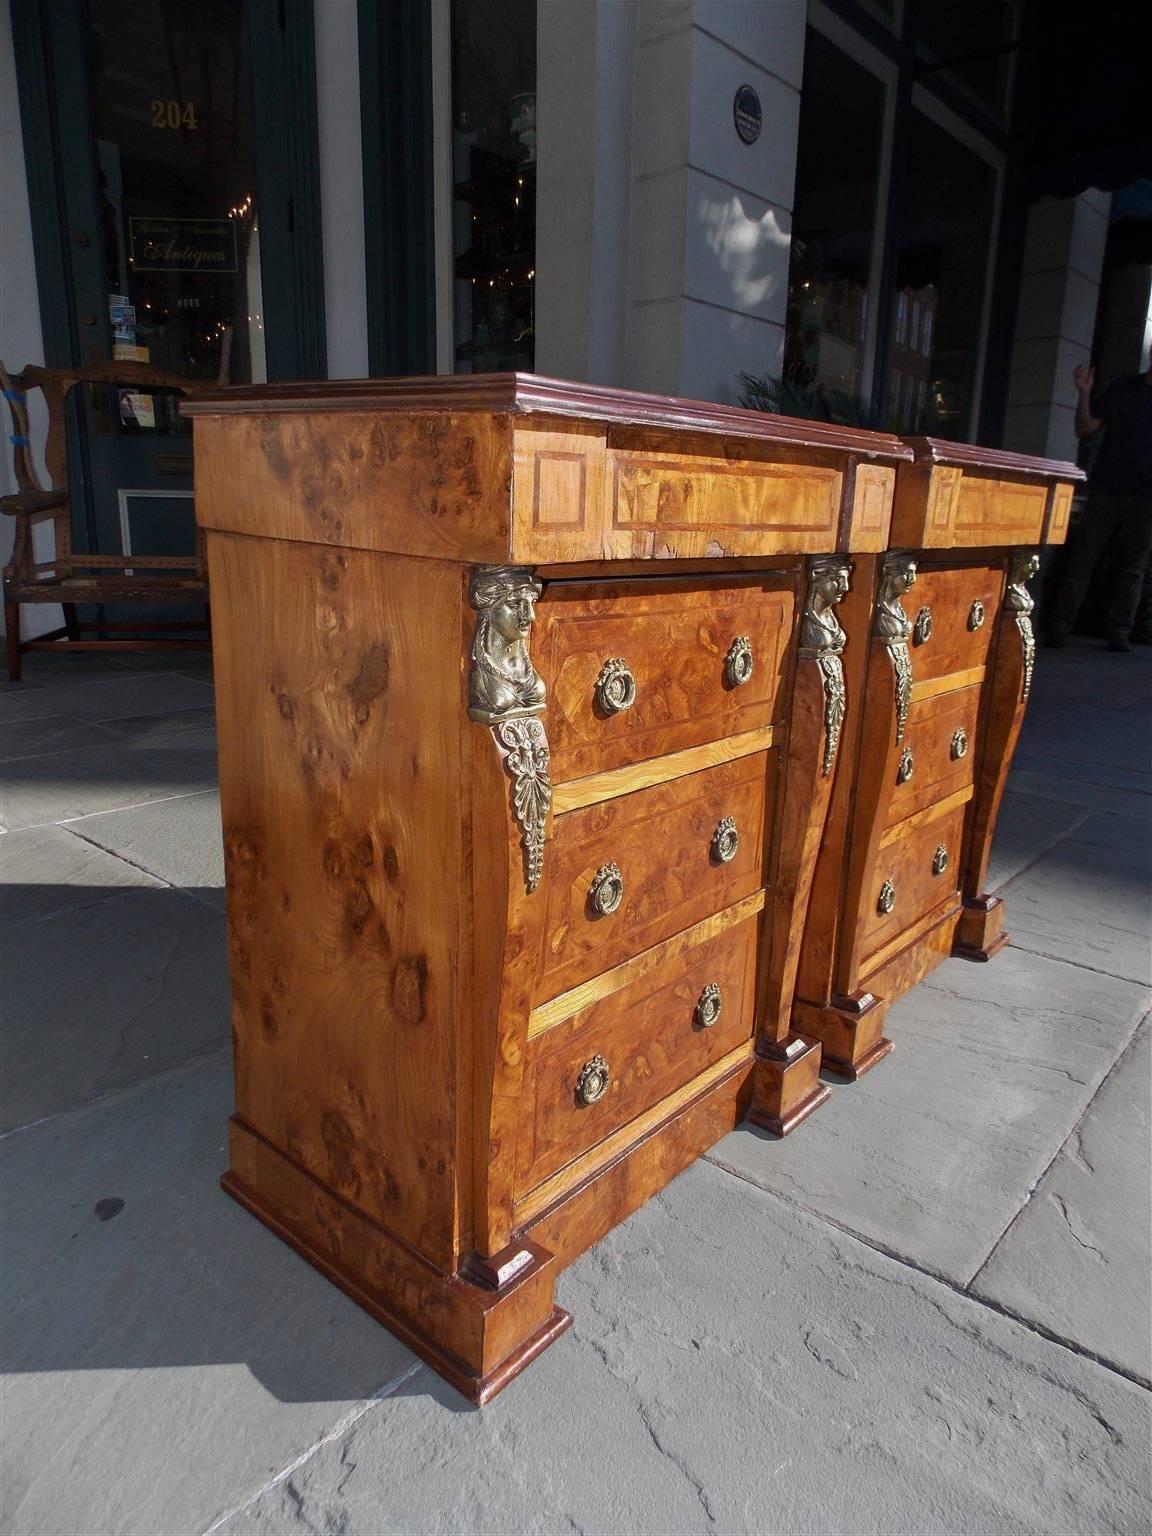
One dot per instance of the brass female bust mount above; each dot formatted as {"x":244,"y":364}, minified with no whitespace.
{"x":506,"y":692}
{"x":822,"y":640}
{"x":893,"y":626}
{"x":504,"y":684}
{"x":1020,"y":602}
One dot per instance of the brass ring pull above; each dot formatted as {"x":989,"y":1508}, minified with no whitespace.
{"x":708,"y":1006}
{"x":738,"y":663}
{"x":615,"y":687}
{"x":607,"y":890}
{"x":922,"y":628}
{"x":907,"y":764}
{"x":595,"y":1077}
{"x":959,"y":746}
{"x":976,"y":615}
{"x":725,"y":841}
{"x":886,"y":901}
{"x":940,"y":860}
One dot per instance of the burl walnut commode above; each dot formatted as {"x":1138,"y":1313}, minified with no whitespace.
{"x":532,"y":699}
{"x":940,"y":655}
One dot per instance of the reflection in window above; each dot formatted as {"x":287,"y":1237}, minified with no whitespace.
{"x":837,"y":169}
{"x":969,"y":44}
{"x":494,"y":183}
{"x":949,"y":205}
{"x":172,"y":121}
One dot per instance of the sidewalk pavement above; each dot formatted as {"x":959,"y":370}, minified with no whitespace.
{"x":926,"y":1311}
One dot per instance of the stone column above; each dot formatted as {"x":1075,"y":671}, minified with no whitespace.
{"x":1059,"y":289}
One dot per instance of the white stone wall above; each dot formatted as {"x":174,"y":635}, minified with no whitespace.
{"x":1055,"y":319}
{"x":341,"y":188}
{"x":21,"y":340}
{"x":663,"y":239}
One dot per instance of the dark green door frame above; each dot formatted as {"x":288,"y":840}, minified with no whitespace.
{"x":51,"y":71}
{"x":396,"y":115}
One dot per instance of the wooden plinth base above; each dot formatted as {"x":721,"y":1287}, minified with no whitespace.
{"x":850,"y":1029}
{"x":787,"y":1086}
{"x":851,"y":1071}
{"x":980,"y":929}
{"x":476,"y":1337}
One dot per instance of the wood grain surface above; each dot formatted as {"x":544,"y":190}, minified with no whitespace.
{"x":660,"y":840}
{"x":340,"y":788}
{"x":650,"y":1037}
{"x":933,"y":724}
{"x":948,"y":592}
{"x":675,"y":637}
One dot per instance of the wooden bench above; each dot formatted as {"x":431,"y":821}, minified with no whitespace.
{"x":72,"y":577}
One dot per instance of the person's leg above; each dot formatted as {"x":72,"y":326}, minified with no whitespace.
{"x":1098,"y":524}
{"x":1134,"y":540}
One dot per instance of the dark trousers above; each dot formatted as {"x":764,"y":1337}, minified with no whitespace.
{"x":1128,"y":521}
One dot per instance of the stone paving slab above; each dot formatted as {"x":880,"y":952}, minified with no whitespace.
{"x":166,"y":723}
{"x":1089,"y":733}
{"x":49,"y":669}
{"x":1089,"y":898}
{"x":45,"y":870}
{"x":1053,"y":783}
{"x":1085,"y":673}
{"x":738,"y":1366}
{"x":178,"y":840}
{"x":1078,"y":1258}
{"x":54,"y":733}
{"x":933,"y":1152}
{"x":1084,"y":771}
{"x":15,"y":707}
{"x":120,"y":698}
{"x":101,"y":996}
{"x":164,"y":1353}
{"x":39,"y":790}
{"x":1028,"y":826}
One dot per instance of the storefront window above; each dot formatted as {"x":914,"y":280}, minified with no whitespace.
{"x":968,"y":44}
{"x":833,"y":222}
{"x":949,"y":208}
{"x":494,"y":183}
{"x":172,"y":122}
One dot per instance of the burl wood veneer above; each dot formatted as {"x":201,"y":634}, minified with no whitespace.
{"x":530,"y":702}
{"x":940,"y":655}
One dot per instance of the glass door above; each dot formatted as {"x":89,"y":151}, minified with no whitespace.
{"x":154,"y":96}
{"x":172,"y":174}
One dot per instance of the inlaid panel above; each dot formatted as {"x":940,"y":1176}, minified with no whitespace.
{"x":665,"y":857}
{"x":675,"y":645}
{"x":632,"y":1049}
{"x":908,"y":881}
{"x":954,"y":610}
{"x":939,"y":752}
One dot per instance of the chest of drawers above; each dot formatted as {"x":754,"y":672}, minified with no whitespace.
{"x":940,"y":654}
{"x":530,"y":700}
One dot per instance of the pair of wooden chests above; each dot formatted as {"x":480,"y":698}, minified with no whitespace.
{"x":594,"y":768}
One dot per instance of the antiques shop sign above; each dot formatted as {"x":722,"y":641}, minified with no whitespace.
{"x":183,"y":245}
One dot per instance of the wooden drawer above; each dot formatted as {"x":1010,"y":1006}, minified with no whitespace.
{"x":675,"y":638}
{"x":667,"y":846}
{"x":906,"y":883}
{"x":958,"y":637}
{"x":939,"y":752}
{"x":651,"y":1038}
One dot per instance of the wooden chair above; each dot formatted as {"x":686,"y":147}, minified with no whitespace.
{"x":71,"y":577}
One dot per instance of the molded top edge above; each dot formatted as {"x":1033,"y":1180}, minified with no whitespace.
{"x":532,"y":394}
{"x":935,"y":450}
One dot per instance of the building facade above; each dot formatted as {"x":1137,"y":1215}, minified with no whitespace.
{"x":832,"y":204}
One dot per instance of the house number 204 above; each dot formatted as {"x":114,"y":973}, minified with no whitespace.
{"x":174,"y":114}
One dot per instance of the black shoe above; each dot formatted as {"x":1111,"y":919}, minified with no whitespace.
{"x":1055,"y":641}
{"x":1118,"y":643}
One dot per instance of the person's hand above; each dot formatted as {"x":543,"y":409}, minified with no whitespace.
{"x":1083,"y":378}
